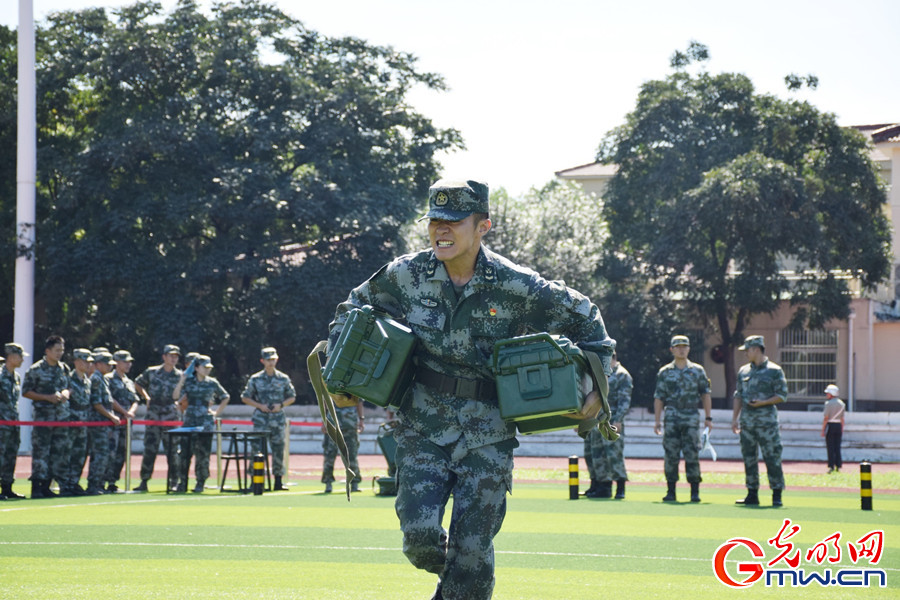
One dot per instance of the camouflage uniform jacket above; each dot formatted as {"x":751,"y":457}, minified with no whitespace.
{"x":9,"y":394}
{"x":100,"y":391}
{"x":269,"y":389}
{"x":45,"y":379}
{"x":121,"y":388}
{"x":200,"y":396}
{"x":159,"y":385}
{"x":759,"y":383}
{"x":681,"y":389}
{"x":457,"y":334}
{"x":620,"y":388}
{"x":79,"y":392}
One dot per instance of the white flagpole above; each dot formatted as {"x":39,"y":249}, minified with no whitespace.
{"x":26,"y":176}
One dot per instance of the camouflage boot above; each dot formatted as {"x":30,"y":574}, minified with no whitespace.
{"x":620,"y":489}
{"x":752,"y":499}
{"x":695,"y":491}
{"x":670,"y":495}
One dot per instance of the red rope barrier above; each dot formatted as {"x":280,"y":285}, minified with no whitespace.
{"x":137,"y":422}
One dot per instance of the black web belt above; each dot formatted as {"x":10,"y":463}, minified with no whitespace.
{"x":484,"y":390}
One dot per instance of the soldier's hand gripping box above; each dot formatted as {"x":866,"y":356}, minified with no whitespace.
{"x":539,"y":381}
{"x":372,"y":358}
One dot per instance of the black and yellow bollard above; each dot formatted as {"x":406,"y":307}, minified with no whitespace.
{"x":573,"y":478}
{"x":865,"y":485}
{"x":259,"y":473}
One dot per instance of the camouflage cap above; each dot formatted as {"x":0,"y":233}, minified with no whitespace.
{"x":204,"y":361}
{"x":171,"y":349}
{"x":103,"y":356}
{"x":679,"y":340}
{"x":14,"y":348}
{"x":83,"y":354}
{"x":268,"y":352}
{"x":753,"y":340}
{"x":455,"y":200}
{"x":100,"y":349}
{"x":123,"y":356}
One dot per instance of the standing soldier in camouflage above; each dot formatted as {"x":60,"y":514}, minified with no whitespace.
{"x":125,"y":402}
{"x":680,"y":386}
{"x":196,"y":395}
{"x":100,"y":438}
{"x":760,"y":386}
{"x":9,"y":411}
{"x":46,"y":384}
{"x":608,"y":457}
{"x":79,"y":410}
{"x":351,"y":422}
{"x":269,"y":391}
{"x":459,"y":298}
{"x":155,"y":386}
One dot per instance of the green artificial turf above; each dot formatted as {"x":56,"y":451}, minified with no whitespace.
{"x":305,"y":544}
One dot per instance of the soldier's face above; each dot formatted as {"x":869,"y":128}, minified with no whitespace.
{"x":14,"y":360}
{"x":269,"y":363}
{"x":171,"y":359}
{"x":457,"y":241}
{"x":681,"y":351}
{"x":54,"y":353}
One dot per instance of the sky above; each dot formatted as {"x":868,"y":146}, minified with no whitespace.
{"x":535,"y":85}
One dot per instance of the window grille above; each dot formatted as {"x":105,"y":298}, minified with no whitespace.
{"x":809,"y":360}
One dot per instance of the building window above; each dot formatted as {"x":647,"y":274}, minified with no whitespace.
{"x":809,"y":360}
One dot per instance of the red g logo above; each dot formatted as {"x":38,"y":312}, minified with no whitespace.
{"x":754,"y":569}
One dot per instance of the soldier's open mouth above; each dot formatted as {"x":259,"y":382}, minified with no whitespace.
{"x":444,"y":244}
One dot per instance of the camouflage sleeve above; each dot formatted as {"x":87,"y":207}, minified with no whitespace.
{"x":221,"y":394}
{"x":780,"y":385}
{"x":660,"y":390}
{"x":143,"y":379}
{"x":95,"y":391}
{"x":381,"y":290}
{"x":739,"y":387}
{"x":704,"y":386}
{"x":29,"y":384}
{"x":572,"y":314}
{"x":289,"y":391}
{"x":250,"y":389}
{"x":623,"y":398}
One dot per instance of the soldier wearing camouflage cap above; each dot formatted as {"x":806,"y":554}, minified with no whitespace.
{"x":9,"y":411}
{"x":460,"y":298}
{"x":269,"y":391}
{"x":46,"y":384}
{"x":80,"y":411}
{"x":155,"y":386}
{"x":125,"y":402}
{"x":681,"y":386}
{"x":100,"y":438}
{"x":761,"y":385}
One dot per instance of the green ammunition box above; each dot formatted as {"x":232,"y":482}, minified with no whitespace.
{"x":539,"y":381}
{"x":372,"y":358}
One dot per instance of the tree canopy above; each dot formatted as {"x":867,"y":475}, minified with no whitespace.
{"x":218,"y":181}
{"x":733,"y":201}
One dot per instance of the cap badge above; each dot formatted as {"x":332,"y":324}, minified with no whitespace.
{"x":441,"y":199}
{"x":428,"y":302}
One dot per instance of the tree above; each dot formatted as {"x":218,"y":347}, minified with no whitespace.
{"x":8,"y":145}
{"x":219,"y":181}
{"x":720,"y":188}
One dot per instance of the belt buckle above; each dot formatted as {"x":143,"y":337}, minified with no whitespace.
{"x":467,"y":388}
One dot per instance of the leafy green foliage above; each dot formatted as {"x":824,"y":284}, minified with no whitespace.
{"x":732,"y":201}
{"x":219,"y":181}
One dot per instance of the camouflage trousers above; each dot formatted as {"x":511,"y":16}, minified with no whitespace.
{"x":117,"y":443}
{"x":427,"y":475}
{"x":348,"y":421}
{"x":682,"y":437}
{"x":50,"y":448}
{"x":99,"y":448}
{"x":79,"y":453}
{"x":9,"y":450}
{"x":605,"y":459}
{"x":765,"y":437}
{"x":273,"y":424}
{"x":153,"y":436}
{"x":198,"y":446}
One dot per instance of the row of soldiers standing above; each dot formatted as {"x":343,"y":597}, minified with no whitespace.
{"x":98,"y":388}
